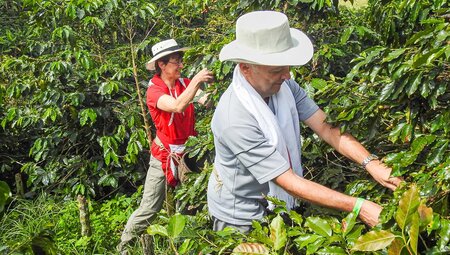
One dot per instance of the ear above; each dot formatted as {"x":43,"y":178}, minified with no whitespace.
{"x":160,"y":64}
{"x":245,"y":68}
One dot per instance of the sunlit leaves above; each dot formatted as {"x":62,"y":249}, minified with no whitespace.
{"x":176,"y":225}
{"x":110,"y":146}
{"x":407,"y":207}
{"x":278,"y":233}
{"x":87,"y":116}
{"x":319,"y":226}
{"x":374,"y":240}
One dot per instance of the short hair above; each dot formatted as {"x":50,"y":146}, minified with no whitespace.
{"x":166,"y":59}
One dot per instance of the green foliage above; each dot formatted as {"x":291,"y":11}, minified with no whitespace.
{"x":5,"y":195}
{"x":71,"y":73}
{"x":28,"y":227}
{"x":413,"y":218}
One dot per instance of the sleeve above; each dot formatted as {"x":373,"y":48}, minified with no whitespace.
{"x":306,"y":107}
{"x":247,"y":143}
{"x":153,"y":94}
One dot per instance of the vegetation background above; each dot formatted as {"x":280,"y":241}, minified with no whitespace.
{"x":75,"y":133}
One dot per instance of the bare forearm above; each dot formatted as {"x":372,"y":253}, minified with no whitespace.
{"x":323,"y":196}
{"x":186,"y":97}
{"x":318,"y":194}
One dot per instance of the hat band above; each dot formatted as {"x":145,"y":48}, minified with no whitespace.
{"x":176,"y":47}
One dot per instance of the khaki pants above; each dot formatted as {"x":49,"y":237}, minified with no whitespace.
{"x":152,"y":201}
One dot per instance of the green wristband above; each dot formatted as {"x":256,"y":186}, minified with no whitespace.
{"x":358,"y":204}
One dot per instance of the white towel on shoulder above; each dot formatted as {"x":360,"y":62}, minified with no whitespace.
{"x":285,"y":119}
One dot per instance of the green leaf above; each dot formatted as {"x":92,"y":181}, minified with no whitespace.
{"x":425,"y":214}
{"x":348,"y":223}
{"x":420,"y":142}
{"x":444,"y":234}
{"x":396,"y":247}
{"x":393,"y":55}
{"x":304,"y":240}
{"x":414,"y":232}
{"x":414,"y":84}
{"x":386,"y":91}
{"x":186,"y":246}
{"x":5,"y":194}
{"x":176,"y":225}
{"x":437,"y":153}
{"x":278,"y":232}
{"x":319,"y":226}
{"x":297,"y":218}
{"x":87,"y":114}
{"x":332,"y":250}
{"x":408,"y":204}
{"x":318,"y":83}
{"x":374,"y":241}
{"x":157,"y":230}
{"x":346,"y":34}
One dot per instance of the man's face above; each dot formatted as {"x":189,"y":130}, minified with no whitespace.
{"x":266,"y":80}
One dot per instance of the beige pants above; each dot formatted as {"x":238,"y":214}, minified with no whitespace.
{"x":152,"y":201}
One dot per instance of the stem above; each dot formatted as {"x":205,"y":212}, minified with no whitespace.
{"x":173,"y":246}
{"x":138,"y":89}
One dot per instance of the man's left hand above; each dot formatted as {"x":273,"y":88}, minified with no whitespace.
{"x":382,"y":174}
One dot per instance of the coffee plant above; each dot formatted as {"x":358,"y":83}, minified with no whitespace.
{"x":74,"y":122}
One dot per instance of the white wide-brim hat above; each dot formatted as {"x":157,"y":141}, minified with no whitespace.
{"x":162,"y":49}
{"x":265,"y":38}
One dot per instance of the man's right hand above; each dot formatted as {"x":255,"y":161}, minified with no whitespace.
{"x":370,"y":212}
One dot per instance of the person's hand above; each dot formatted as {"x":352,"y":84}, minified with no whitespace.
{"x":370,"y":212}
{"x":203,"y":76}
{"x":382,"y":174}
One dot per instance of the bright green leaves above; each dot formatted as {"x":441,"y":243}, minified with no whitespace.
{"x":374,"y":240}
{"x":176,"y":225}
{"x":87,"y":116}
{"x":5,"y":194}
{"x":319,"y":226}
{"x":412,"y":216}
{"x":108,"y":87}
{"x":174,"y":228}
{"x":110,"y":147}
{"x":407,"y":207}
{"x":40,"y":149}
{"x":278,"y":233}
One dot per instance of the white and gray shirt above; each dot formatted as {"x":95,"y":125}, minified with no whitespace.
{"x":245,"y":162}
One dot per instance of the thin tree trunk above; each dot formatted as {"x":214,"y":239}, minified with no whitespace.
{"x":19,"y":185}
{"x":146,"y":242}
{"x":84,"y":216}
{"x":138,"y":90}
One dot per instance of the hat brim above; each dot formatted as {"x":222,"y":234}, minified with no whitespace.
{"x":150,"y":65}
{"x":301,"y":52}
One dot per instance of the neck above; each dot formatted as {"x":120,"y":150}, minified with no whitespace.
{"x":170,"y":83}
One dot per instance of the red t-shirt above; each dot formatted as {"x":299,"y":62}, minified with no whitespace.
{"x":172,"y":128}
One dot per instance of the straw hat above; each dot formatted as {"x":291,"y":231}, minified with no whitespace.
{"x":162,"y":49}
{"x":265,"y":38}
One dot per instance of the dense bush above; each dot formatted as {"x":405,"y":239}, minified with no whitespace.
{"x":74,"y":122}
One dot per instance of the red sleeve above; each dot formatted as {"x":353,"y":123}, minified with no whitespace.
{"x":153,"y":94}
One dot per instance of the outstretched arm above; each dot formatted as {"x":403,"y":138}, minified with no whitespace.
{"x":348,"y":146}
{"x":170,"y":104}
{"x":323,"y":196}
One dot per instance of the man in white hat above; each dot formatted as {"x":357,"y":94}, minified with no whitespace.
{"x":257,"y":133}
{"x":169,"y":100}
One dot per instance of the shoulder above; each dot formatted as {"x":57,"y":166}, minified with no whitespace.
{"x":231,"y":113}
